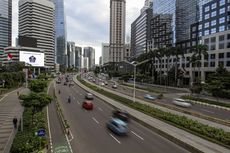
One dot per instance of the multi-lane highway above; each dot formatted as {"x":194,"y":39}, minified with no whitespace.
{"x":91,"y":135}
{"x":203,"y":109}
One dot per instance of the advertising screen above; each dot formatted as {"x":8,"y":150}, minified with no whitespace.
{"x":35,"y":59}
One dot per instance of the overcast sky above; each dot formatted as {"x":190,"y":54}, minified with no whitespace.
{"x":88,"y":21}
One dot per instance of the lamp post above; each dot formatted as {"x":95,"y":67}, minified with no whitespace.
{"x":135,"y":64}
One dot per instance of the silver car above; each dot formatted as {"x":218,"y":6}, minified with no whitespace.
{"x":89,"y":96}
{"x":181,"y":102}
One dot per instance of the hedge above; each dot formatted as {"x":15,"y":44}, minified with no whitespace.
{"x":206,"y":101}
{"x":26,"y":141}
{"x":213,"y":134}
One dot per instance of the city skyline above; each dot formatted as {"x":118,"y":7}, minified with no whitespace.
{"x":84,"y":27}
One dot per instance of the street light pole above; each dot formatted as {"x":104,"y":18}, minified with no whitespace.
{"x":134,"y":83}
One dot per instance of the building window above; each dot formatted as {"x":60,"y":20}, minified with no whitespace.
{"x":228,"y":54}
{"x":213,"y":14}
{"x":206,"y":32}
{"x":228,"y":37}
{"x":212,"y":56}
{"x":214,"y":6}
{"x":222,"y":10}
{"x":206,"y":25}
{"x":221,"y":63}
{"x":200,"y":27}
{"x":221,"y":28}
{"x":213,"y":47}
{"x":221,"y":55}
{"x":212,"y":64}
{"x":206,"y":41}
{"x":205,"y":64}
{"x":206,"y":16}
{"x":221,"y":46}
{"x":228,"y":63}
{"x":207,"y":8}
{"x":221,"y":38}
{"x":213,"y":23}
{"x":213,"y":39}
{"x":200,"y":34}
{"x":222,"y":2}
{"x":228,"y":45}
{"x":222,"y":20}
{"x":213,"y":30}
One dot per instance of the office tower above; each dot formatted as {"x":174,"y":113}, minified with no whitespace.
{"x":140,"y":30}
{"x":105,"y":53}
{"x":71,"y":54}
{"x":60,"y":33}
{"x":36,"y":19}
{"x":78,"y":57}
{"x":117,"y":29}
{"x":100,"y":61}
{"x":90,"y":53}
{"x":5,"y":24}
{"x":186,"y":15}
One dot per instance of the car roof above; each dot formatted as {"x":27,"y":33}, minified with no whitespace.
{"x":88,"y":101}
{"x":118,"y":121}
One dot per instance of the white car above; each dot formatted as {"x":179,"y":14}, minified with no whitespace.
{"x":114,"y":86}
{"x":102,"y":84}
{"x":89,"y":96}
{"x":181,"y":102}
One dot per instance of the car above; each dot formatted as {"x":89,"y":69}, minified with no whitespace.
{"x":181,"y":102}
{"x":87,"y":105}
{"x":114,"y":86}
{"x":89,"y":96}
{"x":117,"y":126}
{"x":71,"y":83}
{"x":65,"y":83}
{"x":105,"y":82}
{"x":150,"y":97}
{"x":121,"y":114}
{"x":58,"y":81}
{"x":102,"y":84}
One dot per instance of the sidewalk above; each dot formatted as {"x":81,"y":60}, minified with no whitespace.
{"x":181,"y":137}
{"x":9,"y":107}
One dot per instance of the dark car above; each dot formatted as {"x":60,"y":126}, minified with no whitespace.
{"x":121,"y":114}
{"x":65,"y":83}
{"x":87,"y":105}
{"x":117,"y":126}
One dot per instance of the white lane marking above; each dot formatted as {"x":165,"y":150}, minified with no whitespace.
{"x":70,"y":135}
{"x":69,"y":144}
{"x":78,"y":103}
{"x":137,"y":135}
{"x":115,"y":138}
{"x":208,"y":111}
{"x":100,"y":109}
{"x":95,"y":120}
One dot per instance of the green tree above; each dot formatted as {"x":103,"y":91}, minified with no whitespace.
{"x":198,"y":51}
{"x":35,"y":101}
{"x":214,"y":87}
{"x":97,"y":70}
{"x":37,"y":85}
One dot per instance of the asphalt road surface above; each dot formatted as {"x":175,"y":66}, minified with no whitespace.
{"x":206,"y":110}
{"x":91,"y":135}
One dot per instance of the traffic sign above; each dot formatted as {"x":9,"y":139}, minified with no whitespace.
{"x":41,"y":132}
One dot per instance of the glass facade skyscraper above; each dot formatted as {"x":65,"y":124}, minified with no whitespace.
{"x":5,"y":23}
{"x":166,"y":7}
{"x":60,"y":33}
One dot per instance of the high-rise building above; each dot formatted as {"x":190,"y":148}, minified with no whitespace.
{"x":78,"y":57}
{"x":117,"y":29}
{"x":71,"y":54}
{"x":90,"y":53}
{"x":5,"y":25}
{"x":36,"y":19}
{"x":140,"y":30}
{"x":186,"y":15}
{"x":105,"y":53}
{"x":60,"y":33}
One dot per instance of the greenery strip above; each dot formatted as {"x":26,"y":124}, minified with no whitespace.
{"x":213,"y":134}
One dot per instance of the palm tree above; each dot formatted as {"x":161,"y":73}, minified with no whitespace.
{"x":198,"y":51}
{"x":177,"y":51}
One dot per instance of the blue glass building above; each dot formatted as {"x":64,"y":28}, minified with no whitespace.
{"x":60,"y":33}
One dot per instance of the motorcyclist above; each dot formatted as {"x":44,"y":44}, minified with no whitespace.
{"x":69,"y":99}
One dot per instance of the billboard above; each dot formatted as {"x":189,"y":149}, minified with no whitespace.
{"x":35,"y":59}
